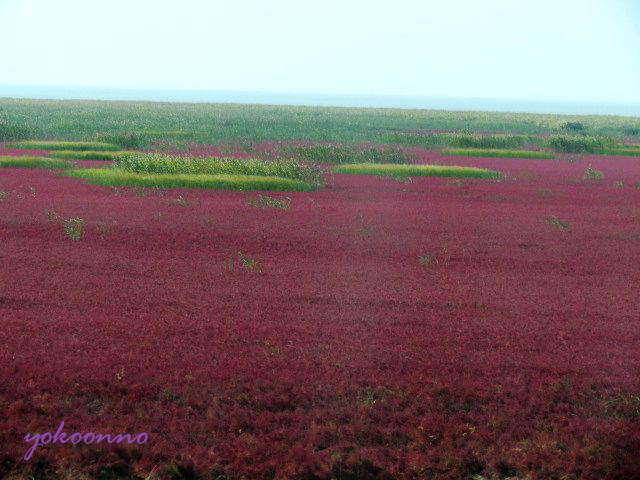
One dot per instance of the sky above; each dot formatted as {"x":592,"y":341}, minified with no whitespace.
{"x":570,"y":50}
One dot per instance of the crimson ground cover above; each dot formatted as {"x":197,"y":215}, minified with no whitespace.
{"x":434,"y":328}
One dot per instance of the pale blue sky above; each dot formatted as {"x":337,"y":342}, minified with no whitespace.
{"x":571,"y":50}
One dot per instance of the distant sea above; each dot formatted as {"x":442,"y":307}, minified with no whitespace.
{"x":312,"y":99}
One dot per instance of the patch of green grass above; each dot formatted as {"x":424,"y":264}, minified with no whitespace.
{"x":87,"y":155}
{"x":416,"y":170}
{"x":627,"y":151}
{"x":493,"y":152}
{"x":342,"y":154}
{"x":580,"y":143}
{"x":591,"y":174}
{"x":555,"y":222}
{"x":166,"y":164}
{"x":59,"y":145}
{"x":74,"y":227}
{"x":460,"y":140}
{"x":33,"y":162}
{"x":117,"y":177}
{"x":265,"y":201}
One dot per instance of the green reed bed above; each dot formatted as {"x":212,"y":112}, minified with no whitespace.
{"x":33,"y":162}
{"x":627,"y":151}
{"x":343,"y":154}
{"x":117,"y":177}
{"x":461,"y":140}
{"x":580,"y":144}
{"x":88,"y":155}
{"x":167,"y":164}
{"x":59,"y":145}
{"x":394,"y":170}
{"x":496,"y":153}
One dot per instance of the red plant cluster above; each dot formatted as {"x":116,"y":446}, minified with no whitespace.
{"x":387,"y":329}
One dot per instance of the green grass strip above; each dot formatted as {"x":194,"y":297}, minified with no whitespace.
{"x":116,"y":177}
{"x":55,"y":145}
{"x":87,"y":155}
{"x":394,"y":170}
{"x":492,"y":152}
{"x":625,"y":151}
{"x":33,"y":162}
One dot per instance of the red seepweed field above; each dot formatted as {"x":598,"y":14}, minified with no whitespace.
{"x":376,"y":329}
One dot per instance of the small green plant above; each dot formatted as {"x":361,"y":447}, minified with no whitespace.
{"x":181,"y":201}
{"x":74,"y":227}
{"x":248,"y":263}
{"x":425,"y":260}
{"x":591,"y":174}
{"x":555,"y":222}
{"x":619,"y":184}
{"x":371,"y":397}
{"x":264,"y":201}
{"x":4,"y":196}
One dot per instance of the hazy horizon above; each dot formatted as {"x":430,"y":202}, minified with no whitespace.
{"x":542,"y":51}
{"x":319,"y":99}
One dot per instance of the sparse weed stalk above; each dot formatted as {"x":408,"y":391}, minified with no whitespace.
{"x":264,"y":201}
{"x":555,"y":222}
{"x":32,"y":191}
{"x":74,"y":228}
{"x":181,"y":201}
{"x":248,"y":263}
{"x":105,"y":225}
{"x":4,"y":196}
{"x":619,"y":184}
{"x":426,"y":260}
{"x":591,"y":174}
{"x":52,"y":216}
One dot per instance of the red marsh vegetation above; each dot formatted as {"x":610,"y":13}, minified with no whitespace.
{"x":380,"y":328}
